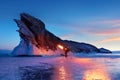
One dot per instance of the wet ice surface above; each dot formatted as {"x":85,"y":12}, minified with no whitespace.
{"x":87,"y":69}
{"x":70,"y":68}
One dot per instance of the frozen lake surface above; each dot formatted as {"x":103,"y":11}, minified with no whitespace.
{"x":79,"y":67}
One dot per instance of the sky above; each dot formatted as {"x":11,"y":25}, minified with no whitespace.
{"x":96,"y":22}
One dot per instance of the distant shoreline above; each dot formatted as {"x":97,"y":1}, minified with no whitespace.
{"x":80,"y":55}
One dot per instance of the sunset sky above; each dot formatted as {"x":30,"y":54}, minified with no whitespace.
{"x":91,"y":21}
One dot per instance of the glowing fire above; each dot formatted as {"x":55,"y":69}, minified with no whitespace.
{"x":60,"y":46}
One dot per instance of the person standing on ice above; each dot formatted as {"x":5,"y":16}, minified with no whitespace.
{"x":65,"y":49}
{"x":66,"y":52}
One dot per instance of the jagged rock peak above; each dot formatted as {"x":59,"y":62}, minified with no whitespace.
{"x":34,"y":24}
{"x":33,"y":30}
{"x":31,"y":21}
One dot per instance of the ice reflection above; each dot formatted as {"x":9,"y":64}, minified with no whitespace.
{"x":62,"y":73}
{"x":80,"y":69}
{"x":63,"y":70}
{"x":96,"y":74}
{"x":92,"y":69}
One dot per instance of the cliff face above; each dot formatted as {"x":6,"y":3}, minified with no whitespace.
{"x":33,"y":30}
{"x":36,"y":40}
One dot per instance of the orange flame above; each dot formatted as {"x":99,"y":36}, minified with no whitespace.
{"x":60,"y":46}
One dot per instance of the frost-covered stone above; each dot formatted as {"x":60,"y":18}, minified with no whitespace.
{"x":81,"y":47}
{"x":37,"y":40}
{"x":103,"y":50}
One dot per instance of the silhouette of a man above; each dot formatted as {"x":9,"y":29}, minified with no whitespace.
{"x":66,"y":52}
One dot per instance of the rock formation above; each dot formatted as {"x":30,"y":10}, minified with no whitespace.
{"x":77,"y":47}
{"x":37,"y":40}
{"x":103,"y":50}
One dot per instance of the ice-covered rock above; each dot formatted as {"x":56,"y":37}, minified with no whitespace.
{"x":37,"y":40}
{"x":80,"y":47}
{"x":103,"y":50}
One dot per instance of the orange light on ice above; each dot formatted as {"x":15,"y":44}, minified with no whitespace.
{"x":96,"y":74}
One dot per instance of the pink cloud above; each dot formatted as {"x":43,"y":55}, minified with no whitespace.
{"x":112,"y":22}
{"x":117,"y":25}
{"x":105,"y":27}
{"x":104,"y":32}
{"x":111,"y":39}
{"x":101,"y":28}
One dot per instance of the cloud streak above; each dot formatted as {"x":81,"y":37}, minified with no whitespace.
{"x":67,"y":36}
{"x":100,"y":28}
{"x":113,"y":39}
{"x":105,"y":32}
{"x":103,"y":28}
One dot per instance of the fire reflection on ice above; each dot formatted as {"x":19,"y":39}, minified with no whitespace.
{"x":80,"y":69}
{"x":93,"y":70}
{"x":62,"y":73}
{"x":82,"y":60}
{"x":63,"y":70}
{"x":96,"y":74}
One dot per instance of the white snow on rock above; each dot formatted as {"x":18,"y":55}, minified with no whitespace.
{"x":29,"y":49}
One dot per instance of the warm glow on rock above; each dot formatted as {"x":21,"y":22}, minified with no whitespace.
{"x":60,"y":46}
